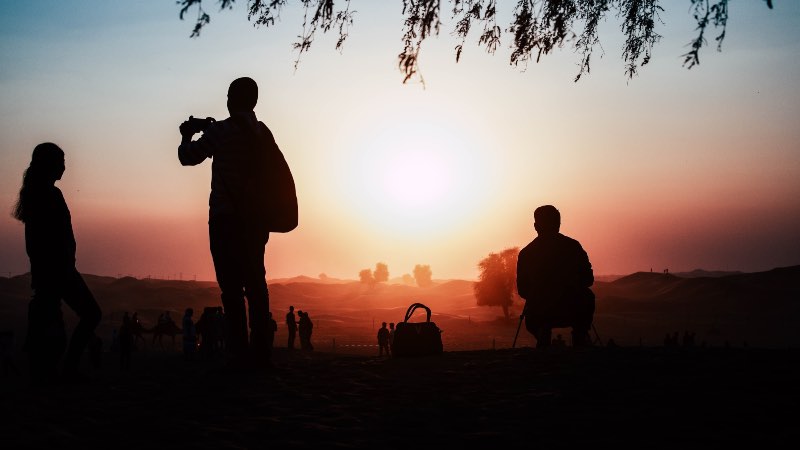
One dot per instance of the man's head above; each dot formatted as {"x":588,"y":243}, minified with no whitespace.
{"x":547,"y":220}
{"x":242,"y":95}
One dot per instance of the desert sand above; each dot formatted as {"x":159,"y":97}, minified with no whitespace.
{"x":736,"y":386}
{"x":625,"y":397}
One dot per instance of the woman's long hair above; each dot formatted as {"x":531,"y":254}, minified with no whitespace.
{"x":45,"y":159}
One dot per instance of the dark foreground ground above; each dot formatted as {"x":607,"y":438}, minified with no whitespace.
{"x":598,"y":398}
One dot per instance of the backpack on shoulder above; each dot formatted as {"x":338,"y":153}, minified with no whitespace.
{"x":270,"y":198}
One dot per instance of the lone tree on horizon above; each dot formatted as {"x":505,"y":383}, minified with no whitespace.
{"x":379,"y":275}
{"x":497,"y":281}
{"x":423,"y":275}
{"x":537,"y":26}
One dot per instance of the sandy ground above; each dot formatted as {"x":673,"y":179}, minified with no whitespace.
{"x":626,"y":397}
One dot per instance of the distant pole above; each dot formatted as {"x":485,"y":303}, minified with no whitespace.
{"x":493,"y":344}
{"x":334,"y":345}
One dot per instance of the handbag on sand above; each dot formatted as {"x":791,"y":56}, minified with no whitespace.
{"x":417,"y":338}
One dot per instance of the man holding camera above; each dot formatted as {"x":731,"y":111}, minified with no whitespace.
{"x":237,"y":241}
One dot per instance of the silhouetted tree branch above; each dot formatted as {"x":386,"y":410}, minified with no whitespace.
{"x":537,"y":26}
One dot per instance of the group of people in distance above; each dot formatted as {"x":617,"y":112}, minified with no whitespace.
{"x":553,"y":272}
{"x":304,"y":327}
{"x":385,"y":339}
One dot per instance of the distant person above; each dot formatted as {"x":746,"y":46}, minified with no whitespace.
{"x":189,"y":335}
{"x":237,"y":229}
{"x":273,"y":328}
{"x":126,"y":341}
{"x":207,"y":331}
{"x":383,"y":340}
{"x":391,"y":338}
{"x":291,"y":326}
{"x":50,"y":244}
{"x":688,"y":339}
{"x":554,"y":277}
{"x":137,"y":329}
{"x":114,"y":348}
{"x":305,"y":328}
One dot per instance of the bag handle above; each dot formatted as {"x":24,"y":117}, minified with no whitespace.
{"x":413,"y":307}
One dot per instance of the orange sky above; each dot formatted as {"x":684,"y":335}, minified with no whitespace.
{"x":676,"y":168}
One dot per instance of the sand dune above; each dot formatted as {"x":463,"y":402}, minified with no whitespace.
{"x":756,"y":309}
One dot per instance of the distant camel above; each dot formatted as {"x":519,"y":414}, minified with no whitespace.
{"x":164,"y":329}
{"x":159,"y":331}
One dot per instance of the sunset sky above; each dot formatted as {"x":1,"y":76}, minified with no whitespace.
{"x":674,"y":169}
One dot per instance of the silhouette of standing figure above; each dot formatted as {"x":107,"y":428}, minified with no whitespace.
{"x":189,"y":335}
{"x":291,"y":325}
{"x":126,"y":341}
{"x":305,"y":328}
{"x":273,"y":328}
{"x":391,"y":338}
{"x":383,"y":340}
{"x":554,"y":277}
{"x":50,"y":244}
{"x":237,"y":240}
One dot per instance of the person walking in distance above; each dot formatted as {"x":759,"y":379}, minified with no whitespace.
{"x":554,"y":277}
{"x":291,"y":326}
{"x":238,"y":232}
{"x":50,"y":244}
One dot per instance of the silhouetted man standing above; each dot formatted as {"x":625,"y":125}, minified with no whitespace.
{"x":291,"y":325}
{"x":554,"y":277}
{"x":237,"y":239}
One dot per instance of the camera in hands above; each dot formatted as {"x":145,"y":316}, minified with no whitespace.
{"x":196,"y":125}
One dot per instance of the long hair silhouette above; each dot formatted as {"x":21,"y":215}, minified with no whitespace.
{"x":47,"y":165}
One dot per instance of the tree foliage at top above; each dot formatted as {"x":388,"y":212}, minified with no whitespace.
{"x":497,"y":281}
{"x":537,"y":26}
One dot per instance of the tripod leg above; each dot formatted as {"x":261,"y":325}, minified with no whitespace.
{"x":518,"y":327}
{"x":600,"y":341}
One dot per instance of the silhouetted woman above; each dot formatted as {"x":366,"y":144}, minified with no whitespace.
{"x":50,"y":245}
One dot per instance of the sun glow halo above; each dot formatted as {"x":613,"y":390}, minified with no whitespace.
{"x":416,"y":181}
